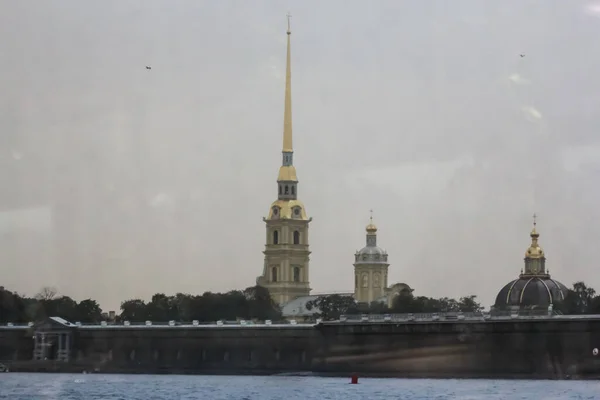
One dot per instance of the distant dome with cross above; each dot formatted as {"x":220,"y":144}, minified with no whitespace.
{"x":534,"y":288}
{"x":371,"y":253}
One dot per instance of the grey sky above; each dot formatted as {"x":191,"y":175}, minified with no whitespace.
{"x":118,"y":182}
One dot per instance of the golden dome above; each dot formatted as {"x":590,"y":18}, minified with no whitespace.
{"x":371,"y":228}
{"x":534,"y":233}
{"x":534,"y":250}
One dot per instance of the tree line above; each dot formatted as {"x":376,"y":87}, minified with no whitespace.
{"x":252,"y":303}
{"x":333,"y":306}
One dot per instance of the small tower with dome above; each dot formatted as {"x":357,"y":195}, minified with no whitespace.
{"x":370,"y":269}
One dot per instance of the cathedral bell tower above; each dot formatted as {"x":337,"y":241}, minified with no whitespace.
{"x":370,"y":269}
{"x":285,"y":272}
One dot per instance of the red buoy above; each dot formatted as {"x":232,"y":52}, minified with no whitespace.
{"x":354,"y":379}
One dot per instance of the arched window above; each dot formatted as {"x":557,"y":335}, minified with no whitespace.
{"x":296,"y":237}
{"x":293,"y":190}
{"x":275,"y":237}
{"x":296,"y":274}
{"x":287,"y":189}
{"x":274,"y":274}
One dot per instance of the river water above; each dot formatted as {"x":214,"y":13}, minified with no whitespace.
{"x":145,"y":387}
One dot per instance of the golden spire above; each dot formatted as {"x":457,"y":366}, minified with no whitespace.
{"x":371,"y":228}
{"x":287,"y":113}
{"x":287,"y":172}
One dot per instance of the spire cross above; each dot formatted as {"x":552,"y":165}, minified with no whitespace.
{"x":371,"y":211}
{"x":289,"y":16}
{"x":534,"y":220}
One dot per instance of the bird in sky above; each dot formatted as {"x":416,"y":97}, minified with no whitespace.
{"x":522,"y":55}
{"x":148,"y":67}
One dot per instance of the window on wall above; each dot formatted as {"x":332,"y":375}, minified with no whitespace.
{"x":293,"y":190}
{"x":275,"y":237}
{"x":274,"y":274}
{"x":279,"y":189}
{"x":296,"y":237}
{"x":286,"y":189}
{"x":296,"y":274}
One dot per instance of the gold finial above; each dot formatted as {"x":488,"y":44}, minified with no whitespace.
{"x":371,"y":228}
{"x":534,"y":232}
{"x":287,"y":113}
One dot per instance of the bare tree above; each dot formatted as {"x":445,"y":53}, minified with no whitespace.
{"x":47,"y":293}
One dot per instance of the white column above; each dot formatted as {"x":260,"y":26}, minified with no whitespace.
{"x":43,"y":356}
{"x":370,"y":296}
{"x":68,"y":346}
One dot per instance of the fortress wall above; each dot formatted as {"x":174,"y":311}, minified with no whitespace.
{"x":200,"y":350}
{"x":508,"y":348}
{"x":15,"y":344}
{"x":549,"y":348}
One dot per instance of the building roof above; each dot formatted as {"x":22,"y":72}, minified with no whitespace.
{"x":350,"y":319}
{"x":531,"y":291}
{"x":52,"y":323}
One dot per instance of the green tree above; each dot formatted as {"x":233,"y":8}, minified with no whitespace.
{"x":260,"y":304}
{"x":182,"y":304}
{"x":163,"y":308}
{"x":470,"y":304}
{"x":51,"y":306}
{"x":332,"y":306}
{"x":12,"y":307}
{"x":579,"y":300}
{"x":134,"y":310}
{"x":407,"y":303}
{"x":377,"y":307}
{"x":88,"y":311}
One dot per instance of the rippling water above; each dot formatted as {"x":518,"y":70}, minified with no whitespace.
{"x":146,"y":387}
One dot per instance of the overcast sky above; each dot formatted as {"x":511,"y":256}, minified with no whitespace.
{"x":118,"y":182}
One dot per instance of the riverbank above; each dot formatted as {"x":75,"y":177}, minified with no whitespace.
{"x":587,"y":372}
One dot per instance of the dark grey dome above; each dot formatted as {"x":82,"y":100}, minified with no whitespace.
{"x":371,"y":250}
{"x":529,"y":291}
{"x":370,"y":254}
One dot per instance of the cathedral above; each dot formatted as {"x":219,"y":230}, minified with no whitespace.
{"x":285,"y":272}
{"x":286,"y":265}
